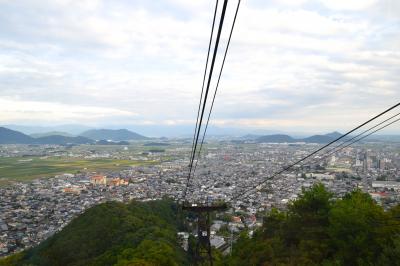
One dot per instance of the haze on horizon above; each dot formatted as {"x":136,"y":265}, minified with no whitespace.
{"x":304,"y":66}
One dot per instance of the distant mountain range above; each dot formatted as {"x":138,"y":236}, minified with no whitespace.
{"x":157,"y":130}
{"x":51,"y":133}
{"x":281,"y":138}
{"x":112,"y":134}
{"x":276,"y":138}
{"x":62,"y":140}
{"x":8,"y":136}
{"x":72,"y":129}
{"x":121,"y":136}
{"x":99,"y":136}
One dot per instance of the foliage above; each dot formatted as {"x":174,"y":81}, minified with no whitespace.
{"x":318,"y":230}
{"x":114,"y":234}
{"x":11,"y":260}
{"x":381,"y":178}
{"x":224,"y":231}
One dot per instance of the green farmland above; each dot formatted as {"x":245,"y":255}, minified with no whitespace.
{"x":28,"y":168}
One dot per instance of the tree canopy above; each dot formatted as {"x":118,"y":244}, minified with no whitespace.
{"x":139,"y":233}
{"x":318,"y":230}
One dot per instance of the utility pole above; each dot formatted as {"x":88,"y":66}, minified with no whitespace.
{"x":203,"y":245}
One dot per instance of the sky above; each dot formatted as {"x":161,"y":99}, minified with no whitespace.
{"x":304,"y":66}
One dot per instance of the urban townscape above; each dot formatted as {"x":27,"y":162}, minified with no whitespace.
{"x":31,"y":211}
{"x":199,"y":133}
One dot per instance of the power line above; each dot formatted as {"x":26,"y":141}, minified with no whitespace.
{"x":204,"y":76}
{"x":274,"y":175}
{"x":357,"y":140}
{"x":316,"y":151}
{"x":221,"y":23}
{"x":334,"y":150}
{"x":216,"y":88}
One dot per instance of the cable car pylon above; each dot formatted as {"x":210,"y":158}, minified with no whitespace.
{"x":203,"y":250}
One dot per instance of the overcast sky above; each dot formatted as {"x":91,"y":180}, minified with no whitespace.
{"x":293,"y":65}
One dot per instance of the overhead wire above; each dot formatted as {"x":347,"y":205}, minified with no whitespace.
{"x":204,"y":102}
{"x":357,"y":140}
{"x":314,"y":152}
{"x":334,"y":150}
{"x":221,"y":22}
{"x":216,"y":87}
{"x":204,"y":76}
{"x":320,"y":159}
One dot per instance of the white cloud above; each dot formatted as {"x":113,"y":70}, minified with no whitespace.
{"x":13,"y":110}
{"x":287,"y":60}
{"x":348,"y":4}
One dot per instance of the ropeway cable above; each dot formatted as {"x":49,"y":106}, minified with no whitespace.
{"x":314,"y":152}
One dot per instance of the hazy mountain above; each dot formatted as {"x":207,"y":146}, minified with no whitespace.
{"x":334,"y":135}
{"x":280,"y":138}
{"x":52,"y":133}
{"x":8,"y":136}
{"x":152,"y":130}
{"x":250,"y":137}
{"x":112,"y":134}
{"x":68,"y":128}
{"x":277,"y":138}
{"x":187,"y":130}
{"x":62,"y":140}
{"x":318,"y":139}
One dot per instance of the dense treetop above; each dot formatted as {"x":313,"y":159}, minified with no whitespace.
{"x":319,"y":230}
{"x":316,"y":229}
{"x":139,"y":233}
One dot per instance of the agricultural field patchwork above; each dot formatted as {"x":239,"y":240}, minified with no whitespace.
{"x":28,"y":168}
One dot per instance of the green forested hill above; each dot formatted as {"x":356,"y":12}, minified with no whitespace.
{"x":315,"y":230}
{"x":318,"y":230}
{"x":113,"y":234}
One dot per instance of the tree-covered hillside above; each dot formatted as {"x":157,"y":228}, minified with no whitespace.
{"x":139,"y":233}
{"x":318,"y":230}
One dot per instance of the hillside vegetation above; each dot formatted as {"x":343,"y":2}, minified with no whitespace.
{"x":318,"y":230}
{"x":139,"y":233}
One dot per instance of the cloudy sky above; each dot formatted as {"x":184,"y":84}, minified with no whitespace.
{"x":298,"y":65}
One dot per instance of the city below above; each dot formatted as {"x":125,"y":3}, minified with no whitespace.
{"x":177,"y":132}
{"x":50,"y":184}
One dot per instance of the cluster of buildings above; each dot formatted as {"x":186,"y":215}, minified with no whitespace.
{"x":234,"y":173}
{"x":31,"y":212}
{"x":103,"y":180}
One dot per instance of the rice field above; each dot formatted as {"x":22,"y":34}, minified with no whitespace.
{"x":28,"y":168}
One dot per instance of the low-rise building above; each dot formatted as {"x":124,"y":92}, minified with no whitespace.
{"x":98,"y":180}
